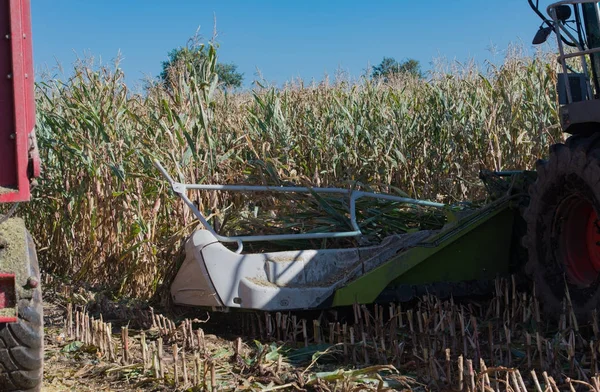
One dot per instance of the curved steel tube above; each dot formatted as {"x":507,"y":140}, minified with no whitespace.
{"x":181,"y":189}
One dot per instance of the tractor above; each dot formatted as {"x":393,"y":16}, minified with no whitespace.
{"x":542,"y":224}
{"x":563,"y":231}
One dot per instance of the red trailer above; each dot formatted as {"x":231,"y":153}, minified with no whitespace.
{"x":21,"y":317}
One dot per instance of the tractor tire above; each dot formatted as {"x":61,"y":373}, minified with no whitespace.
{"x":21,"y":343}
{"x":563,"y":230}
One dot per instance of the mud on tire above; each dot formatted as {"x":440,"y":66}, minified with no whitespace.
{"x":562,"y":226}
{"x":21,"y":343}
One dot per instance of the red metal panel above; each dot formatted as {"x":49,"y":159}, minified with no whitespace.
{"x":17,"y":107}
{"x":8,"y":163}
{"x":28,"y":85}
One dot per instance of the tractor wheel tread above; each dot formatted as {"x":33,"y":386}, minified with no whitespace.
{"x":571,"y":167}
{"x":21,"y":343}
{"x":20,"y":358}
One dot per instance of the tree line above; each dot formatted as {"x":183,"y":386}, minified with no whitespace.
{"x":230,"y":77}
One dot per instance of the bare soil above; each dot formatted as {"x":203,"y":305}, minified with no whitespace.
{"x":431,"y":344}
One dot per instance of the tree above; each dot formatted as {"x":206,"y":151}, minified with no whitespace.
{"x":389,"y":66}
{"x":228,"y":75}
{"x":227,"y":72}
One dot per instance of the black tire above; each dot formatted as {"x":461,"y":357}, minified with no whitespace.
{"x":21,"y":343}
{"x":563,"y":228}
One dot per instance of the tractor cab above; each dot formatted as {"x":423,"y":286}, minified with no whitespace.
{"x":576,"y":24}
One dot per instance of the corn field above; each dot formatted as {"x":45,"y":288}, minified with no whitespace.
{"x":103,"y":215}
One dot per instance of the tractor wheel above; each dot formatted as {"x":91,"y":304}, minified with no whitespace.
{"x":563,"y":230}
{"x":21,"y":343}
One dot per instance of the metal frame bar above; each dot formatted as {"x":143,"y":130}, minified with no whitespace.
{"x":581,"y":53}
{"x":181,"y":188}
{"x":558,"y":27}
{"x":535,"y":7}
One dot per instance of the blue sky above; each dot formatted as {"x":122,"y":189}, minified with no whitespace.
{"x":283,"y":39}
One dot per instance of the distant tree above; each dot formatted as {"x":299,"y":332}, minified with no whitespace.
{"x":228,"y":74}
{"x":389,"y":66}
{"x":196,"y":55}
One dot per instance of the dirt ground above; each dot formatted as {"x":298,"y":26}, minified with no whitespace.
{"x":78,"y":361}
{"x":81,"y":371}
{"x":96,"y":344}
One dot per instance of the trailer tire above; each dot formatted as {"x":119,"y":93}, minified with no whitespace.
{"x":563,"y":230}
{"x":21,"y":343}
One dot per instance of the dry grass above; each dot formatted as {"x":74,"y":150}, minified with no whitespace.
{"x":102,"y":215}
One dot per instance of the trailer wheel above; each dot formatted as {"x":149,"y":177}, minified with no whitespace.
{"x":563,"y":229}
{"x":21,"y":343}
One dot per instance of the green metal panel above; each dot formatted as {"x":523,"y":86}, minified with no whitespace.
{"x":473,"y":248}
